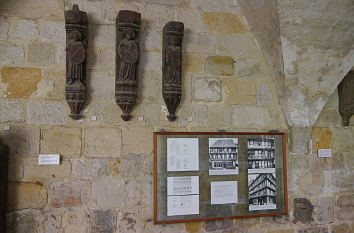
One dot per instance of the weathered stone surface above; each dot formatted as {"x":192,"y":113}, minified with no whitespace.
{"x":193,"y":227}
{"x":199,"y":43}
{"x":12,"y":111}
{"x":219,"y":115}
{"x":152,"y":41}
{"x":329,"y":117}
{"x":15,"y":169}
{"x":264,"y":95}
{"x":246,"y":91}
{"x":52,"y":86}
{"x":21,"y":221}
{"x":25,"y":29}
{"x":102,"y":142}
{"x":68,"y":194}
{"x":344,"y":207}
{"x":103,"y":35}
{"x":218,"y":225}
{"x":63,"y":141}
{"x":337,"y":161}
{"x":52,"y":31}
{"x":137,"y":140}
{"x":249,"y":116}
{"x":107,"y":58}
{"x":193,"y":63}
{"x":212,"y":6}
{"x":303,"y":210}
{"x":41,"y":54}
{"x":89,"y":168}
{"x":51,"y":113}
{"x":229,"y":89}
{"x":26,"y":196}
{"x":338,"y":180}
{"x":149,"y":87}
{"x":164,"y":2}
{"x":101,"y":85}
{"x":219,"y":65}
{"x":96,"y":9}
{"x":21,"y":82}
{"x":341,"y":228}
{"x":281,"y":231}
{"x":140,"y":191}
{"x":314,"y":230}
{"x":158,"y":16}
{"x":246,"y":67}
{"x":223,"y":23}
{"x":22,"y":142}
{"x":102,"y":221}
{"x":325,"y":210}
{"x":11,"y":54}
{"x":150,"y":61}
{"x":207,"y":89}
{"x":4,"y":28}
{"x":321,"y":138}
{"x":109,"y":192}
{"x":343,"y":139}
{"x":49,"y":222}
{"x":237,"y":46}
{"x":192,"y":16}
{"x":35,"y":172}
{"x":311,"y":183}
{"x":127,"y":221}
{"x":299,"y":137}
{"x":74,"y":220}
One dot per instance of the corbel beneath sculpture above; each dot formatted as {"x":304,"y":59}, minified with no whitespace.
{"x":127,"y":60}
{"x":172,"y":66}
{"x":346,"y":97}
{"x":76,"y":46}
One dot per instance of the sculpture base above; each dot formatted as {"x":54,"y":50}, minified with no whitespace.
{"x":75,"y":116}
{"x":171,"y":117}
{"x":125,"y":116}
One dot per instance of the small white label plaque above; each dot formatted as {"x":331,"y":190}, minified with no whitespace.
{"x":49,"y":159}
{"x":324,"y":153}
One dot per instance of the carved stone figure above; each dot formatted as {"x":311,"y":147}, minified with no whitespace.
{"x":76,"y":45}
{"x":172,"y":66}
{"x":346,"y":98}
{"x":127,"y":60}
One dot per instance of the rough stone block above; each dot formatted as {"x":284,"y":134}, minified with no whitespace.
{"x":246,"y":91}
{"x":74,"y":220}
{"x":264,"y":95}
{"x":281,"y":231}
{"x":198,"y":42}
{"x":193,"y":63}
{"x":164,"y":2}
{"x":63,"y":141}
{"x":35,"y":172}
{"x":311,"y":183}
{"x":337,"y":161}
{"x":223,"y":23}
{"x":149,"y":87}
{"x":237,"y":46}
{"x":52,"y":31}
{"x":314,"y":230}
{"x":219,"y":114}
{"x":343,"y":139}
{"x":11,"y":54}
{"x":219,"y":65}
{"x":127,"y":221}
{"x":325,"y":210}
{"x":22,"y":142}
{"x":250,"y":116}
{"x":4,"y":28}
{"x":12,"y":111}
{"x":207,"y":89}
{"x":349,"y":160}
{"x":89,"y":168}
{"x":321,"y":138}
{"x":329,"y":117}
{"x":41,"y":54}
{"x":246,"y":67}
{"x":141,"y":192}
{"x":192,"y":16}
{"x":101,"y":85}
{"x":52,"y":86}
{"x":300,"y":137}
{"x":344,"y":207}
{"x":109,"y":192}
{"x":303,"y":210}
{"x":50,"y":113}
{"x":193,"y":227}
{"x":338,"y":180}
{"x":341,"y":228}
{"x":158,"y":16}
{"x":68,"y":194}
{"x":25,"y":29}
{"x":49,"y":222}
{"x":102,"y":221}
{"x":103,"y":35}
{"x":26,"y":196}
{"x":21,"y":221}
{"x":224,"y":225}
{"x":21,"y":82}
{"x":137,"y":140}
{"x":214,"y":6}
{"x":229,"y":89}
{"x":102,"y":142}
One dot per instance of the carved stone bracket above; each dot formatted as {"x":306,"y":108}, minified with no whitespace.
{"x":127,"y":60}
{"x":76,"y":46}
{"x":172,"y":66}
{"x":346,"y":98}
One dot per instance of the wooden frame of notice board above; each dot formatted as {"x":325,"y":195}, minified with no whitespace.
{"x":203,"y":176}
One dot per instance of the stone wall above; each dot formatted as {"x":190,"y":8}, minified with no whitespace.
{"x":104,"y":182}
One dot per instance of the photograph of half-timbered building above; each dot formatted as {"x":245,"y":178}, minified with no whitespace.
{"x":262,"y":191}
{"x":261,"y":155}
{"x":223,"y":156}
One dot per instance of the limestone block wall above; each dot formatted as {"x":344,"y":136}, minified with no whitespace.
{"x":104,"y":182}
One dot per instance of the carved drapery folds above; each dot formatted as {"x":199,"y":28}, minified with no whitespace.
{"x":76,"y":45}
{"x":127,"y":60}
{"x":172,"y":66}
{"x":346,"y":98}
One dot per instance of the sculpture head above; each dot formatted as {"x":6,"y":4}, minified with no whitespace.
{"x":76,"y":35}
{"x":130,"y":35}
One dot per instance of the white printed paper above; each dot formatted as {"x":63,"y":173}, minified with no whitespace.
{"x":48,"y":159}
{"x":224,"y":192}
{"x":182,"y":154}
{"x":182,"y":205}
{"x":182,"y":185}
{"x":324,"y":153}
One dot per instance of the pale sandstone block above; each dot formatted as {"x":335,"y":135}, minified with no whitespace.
{"x":223,"y":23}
{"x":102,"y":142}
{"x":321,"y":138}
{"x":264,"y":95}
{"x":52,"y":31}
{"x":152,"y":40}
{"x":109,"y":192}
{"x":21,"y":221}
{"x":198,"y":42}
{"x":137,"y":140}
{"x":219,"y":115}
{"x":325,"y":210}
{"x":15,"y":169}
{"x":107,"y":60}
{"x":246,"y":91}
{"x":11,"y":54}
{"x":207,"y":89}
{"x":35,"y":172}
{"x":247,"y":67}
{"x":12,"y":111}
{"x":74,"y":220}
{"x":141,"y":192}
{"x":25,"y":29}
{"x":63,"y":141}
{"x":21,"y":82}
{"x":329,"y":117}
{"x":344,"y":206}
{"x":26,"y":196}
{"x":219,"y":65}
{"x":89,"y":168}
{"x":250,"y":116}
{"x":60,"y":57}
{"x":214,"y":6}
{"x":4,"y":28}
{"x":300,"y":137}
{"x":190,"y":17}
{"x":101,"y":85}
{"x":93,"y":57}
{"x":52,"y":86}
{"x":311,"y":183}
{"x":338,"y":181}
{"x":41,"y":54}
{"x":51,"y":113}
{"x":192,"y":63}
{"x":22,"y":142}
{"x":343,"y":139}
{"x":104,"y":35}
{"x":229,"y":90}
{"x":127,"y":220}
{"x":95,"y":11}
{"x":49,"y":222}
{"x":149,"y":89}
{"x":237,"y":45}
{"x":158,"y":16}
{"x":164,"y":2}
{"x":150,"y":61}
